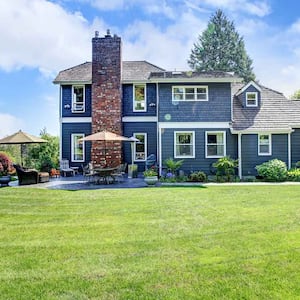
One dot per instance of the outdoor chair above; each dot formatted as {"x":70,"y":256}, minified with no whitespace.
{"x":65,"y":169}
{"x":29,"y":176}
{"x":88,"y":172}
{"x":119,"y":174}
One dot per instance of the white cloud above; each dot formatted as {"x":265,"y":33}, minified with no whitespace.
{"x":169,"y":48}
{"x":257,"y":8}
{"x":9,"y":124}
{"x":42,"y":35}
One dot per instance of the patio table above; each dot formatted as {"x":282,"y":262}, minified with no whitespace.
{"x":105,"y":174}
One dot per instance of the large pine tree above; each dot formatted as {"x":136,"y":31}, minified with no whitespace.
{"x":220,"y":48}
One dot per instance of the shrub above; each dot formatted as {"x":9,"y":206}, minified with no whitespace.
{"x":173,"y":165}
{"x":293,"y":175}
{"x":6,"y":165}
{"x":225,"y":168}
{"x":272,"y":170}
{"x":198,"y":177}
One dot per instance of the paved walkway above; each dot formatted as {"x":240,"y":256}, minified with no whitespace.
{"x":78,"y":182}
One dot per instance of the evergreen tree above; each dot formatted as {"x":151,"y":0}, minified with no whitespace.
{"x":220,"y":48}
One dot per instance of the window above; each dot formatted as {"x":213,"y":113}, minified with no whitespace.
{"x":140,"y":149}
{"x":251,"y":99}
{"x":215,"y":144}
{"x":264,"y":144}
{"x":190,"y":93}
{"x":77,"y":149}
{"x":184,"y":146}
{"x":78,"y":99}
{"x":139,"y":97}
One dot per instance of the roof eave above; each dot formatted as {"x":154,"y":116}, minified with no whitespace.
{"x":71,"y":82}
{"x":261,"y":130}
{"x":195,"y":79}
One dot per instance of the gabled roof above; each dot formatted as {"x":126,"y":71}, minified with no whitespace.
{"x":275,"y":113}
{"x":244,"y":88}
{"x":131,"y":71}
{"x":192,"y":76}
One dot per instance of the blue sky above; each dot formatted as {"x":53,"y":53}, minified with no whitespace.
{"x":39,"y":38}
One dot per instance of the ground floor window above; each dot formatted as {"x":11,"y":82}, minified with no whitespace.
{"x":77,"y":150}
{"x":215,"y":144}
{"x":264,"y":144}
{"x":184,"y":146}
{"x":140,"y":148}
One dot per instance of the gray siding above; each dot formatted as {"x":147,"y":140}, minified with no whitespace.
{"x":128,"y":100}
{"x":140,"y":127}
{"x":67,"y":100}
{"x":199,"y":163}
{"x":67,"y":130}
{"x":250,"y":157}
{"x":216,"y":109}
{"x":295,"y":145}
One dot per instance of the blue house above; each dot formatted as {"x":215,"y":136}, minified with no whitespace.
{"x":197,"y":117}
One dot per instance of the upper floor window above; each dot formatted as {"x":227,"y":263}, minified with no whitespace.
{"x":264,"y":144}
{"x":77,"y":149}
{"x":251,"y":99}
{"x":140,"y":149}
{"x":78,"y":101}
{"x":139,"y":97}
{"x":190,"y":93}
{"x":184,"y":146}
{"x":215,"y":144}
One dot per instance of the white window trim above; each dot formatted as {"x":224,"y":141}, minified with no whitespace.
{"x":270,"y":145}
{"x":189,"y":86}
{"x":145,"y":89}
{"x":256,"y":99}
{"x":224,"y":137}
{"x":145,"y":144}
{"x":193,"y":141}
{"x":73,"y":102}
{"x":72,"y":147}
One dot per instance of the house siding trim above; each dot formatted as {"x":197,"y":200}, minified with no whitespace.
{"x":187,"y":125}
{"x":76,"y":120}
{"x":139,"y":119}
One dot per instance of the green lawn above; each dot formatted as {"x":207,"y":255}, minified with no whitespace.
{"x":218,"y":242}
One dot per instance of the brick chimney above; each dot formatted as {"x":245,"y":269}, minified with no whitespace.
{"x":106,"y":97}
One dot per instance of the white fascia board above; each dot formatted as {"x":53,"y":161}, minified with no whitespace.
{"x":144,"y":81}
{"x":76,"y":120}
{"x":195,"y":80}
{"x":247,"y":85}
{"x":72,"y":82}
{"x":263,"y":130}
{"x":189,"y":125}
{"x":139,"y":119}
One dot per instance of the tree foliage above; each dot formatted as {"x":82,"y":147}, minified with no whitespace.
{"x":46,"y":155}
{"x":220,"y":48}
{"x":296,"y":95}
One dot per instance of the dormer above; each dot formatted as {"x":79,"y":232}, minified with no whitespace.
{"x":249,"y":95}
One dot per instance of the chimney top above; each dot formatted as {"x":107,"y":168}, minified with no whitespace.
{"x":108,"y":33}
{"x":96,"y":33}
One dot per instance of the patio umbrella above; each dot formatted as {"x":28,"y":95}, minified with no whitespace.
{"x":105,"y":136}
{"x":21,"y":138}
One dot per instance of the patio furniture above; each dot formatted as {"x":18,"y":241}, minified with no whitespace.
{"x":65,"y":169}
{"x":119,"y":173}
{"x":29,"y":176}
{"x":105,"y":174}
{"x":43,"y":177}
{"x":88,"y":172}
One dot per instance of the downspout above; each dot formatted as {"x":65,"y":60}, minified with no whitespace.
{"x":158,"y":132}
{"x":60,"y":123}
{"x":289,"y":151}
{"x":240,"y":154}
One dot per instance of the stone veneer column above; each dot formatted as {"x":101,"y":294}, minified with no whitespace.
{"x":106,"y":98}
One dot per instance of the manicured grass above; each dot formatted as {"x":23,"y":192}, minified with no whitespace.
{"x":218,"y":242}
